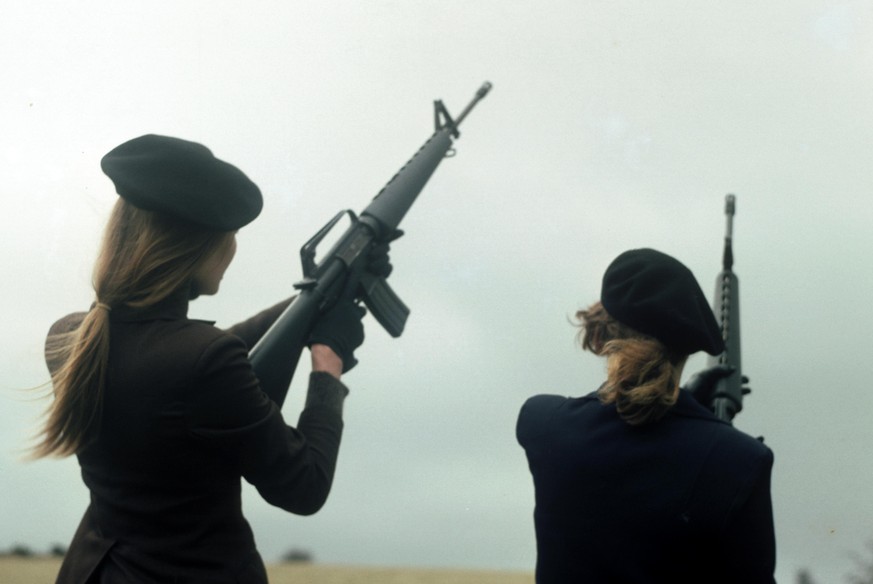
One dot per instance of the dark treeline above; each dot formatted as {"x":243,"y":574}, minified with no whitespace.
{"x":293,"y":555}
{"x":24,"y":551}
{"x":862,"y":573}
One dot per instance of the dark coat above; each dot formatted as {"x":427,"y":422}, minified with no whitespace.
{"x":686,"y":499}
{"x":183,"y":420}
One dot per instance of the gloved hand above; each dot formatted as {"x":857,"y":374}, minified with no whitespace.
{"x":378,"y":262}
{"x":341,"y":329}
{"x":377,"y":265}
{"x":703,"y":383}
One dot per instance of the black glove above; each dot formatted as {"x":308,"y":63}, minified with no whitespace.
{"x":378,"y":262}
{"x":703,"y":383}
{"x":378,"y":265}
{"x":341,"y":329}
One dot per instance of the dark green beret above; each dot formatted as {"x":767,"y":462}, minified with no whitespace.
{"x":182,"y":179}
{"x":657,"y":295}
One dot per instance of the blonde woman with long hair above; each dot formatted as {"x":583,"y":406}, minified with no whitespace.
{"x":164,"y":413}
{"x":637,"y":482}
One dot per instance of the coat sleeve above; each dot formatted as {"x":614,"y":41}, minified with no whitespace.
{"x":750,"y":536}
{"x":292,"y":468}
{"x":252,"y":329}
{"x":533,"y":418}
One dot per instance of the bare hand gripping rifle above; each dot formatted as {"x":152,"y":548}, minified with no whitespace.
{"x":729,"y":391}
{"x":274,"y":358}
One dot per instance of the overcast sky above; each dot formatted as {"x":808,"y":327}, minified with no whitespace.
{"x":611,"y":125}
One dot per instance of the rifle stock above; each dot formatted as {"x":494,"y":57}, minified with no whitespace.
{"x":274,"y":358}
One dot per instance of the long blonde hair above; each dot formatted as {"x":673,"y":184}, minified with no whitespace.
{"x":144,"y":258}
{"x":642,"y":373}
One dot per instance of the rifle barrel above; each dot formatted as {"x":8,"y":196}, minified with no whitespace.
{"x":480,"y":93}
{"x":730,"y":208}
{"x":728,"y":396}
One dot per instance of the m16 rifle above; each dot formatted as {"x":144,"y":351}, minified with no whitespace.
{"x":727,"y":400}
{"x":274,"y":358}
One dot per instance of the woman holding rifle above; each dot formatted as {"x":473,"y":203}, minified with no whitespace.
{"x":164,"y":413}
{"x":637,"y":482}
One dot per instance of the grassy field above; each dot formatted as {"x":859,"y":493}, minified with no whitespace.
{"x":43,"y":570}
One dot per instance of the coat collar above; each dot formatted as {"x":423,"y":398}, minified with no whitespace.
{"x":689,"y":407}
{"x":173,"y":307}
{"x":685,"y":406}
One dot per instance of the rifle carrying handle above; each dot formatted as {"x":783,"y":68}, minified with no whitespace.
{"x":385,"y":306}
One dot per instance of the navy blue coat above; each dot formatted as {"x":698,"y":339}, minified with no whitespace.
{"x":686,"y":499}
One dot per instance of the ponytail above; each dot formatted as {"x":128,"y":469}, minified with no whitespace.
{"x":78,"y":359}
{"x":145,"y":257}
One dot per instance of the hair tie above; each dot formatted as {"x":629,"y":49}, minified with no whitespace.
{"x":104,"y":306}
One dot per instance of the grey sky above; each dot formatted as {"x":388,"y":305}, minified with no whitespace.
{"x":611,"y":125}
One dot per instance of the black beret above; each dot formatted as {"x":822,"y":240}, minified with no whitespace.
{"x":657,"y":295}
{"x":182,"y":179}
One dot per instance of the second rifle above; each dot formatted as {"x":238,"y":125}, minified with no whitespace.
{"x":728,"y":396}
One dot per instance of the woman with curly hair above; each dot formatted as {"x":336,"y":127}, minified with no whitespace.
{"x":637,"y":482}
